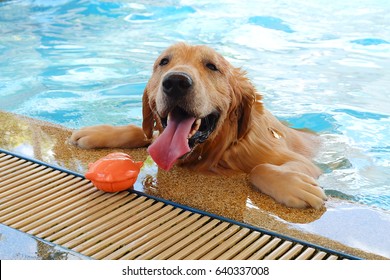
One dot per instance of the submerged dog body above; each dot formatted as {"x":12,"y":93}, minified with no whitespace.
{"x":209,"y":117}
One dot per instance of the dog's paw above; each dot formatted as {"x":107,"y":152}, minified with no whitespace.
{"x":107,"y":136}
{"x":302,"y":191}
{"x":91,"y":137}
{"x":293,"y":189}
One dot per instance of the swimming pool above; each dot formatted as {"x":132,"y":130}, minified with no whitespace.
{"x":319,"y":65}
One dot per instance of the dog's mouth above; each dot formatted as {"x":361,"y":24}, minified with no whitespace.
{"x":182,"y":132}
{"x":200,"y":129}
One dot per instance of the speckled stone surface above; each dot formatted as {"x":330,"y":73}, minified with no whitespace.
{"x":342,"y":226}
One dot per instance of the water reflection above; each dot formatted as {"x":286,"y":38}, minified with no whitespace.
{"x":15,"y":245}
{"x":334,"y":224}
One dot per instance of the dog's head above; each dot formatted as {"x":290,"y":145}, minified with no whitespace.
{"x":197,"y":100}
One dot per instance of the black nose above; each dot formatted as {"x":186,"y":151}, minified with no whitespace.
{"x":177,"y":84}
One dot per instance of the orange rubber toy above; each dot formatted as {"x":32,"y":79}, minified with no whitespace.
{"x":114,"y":172}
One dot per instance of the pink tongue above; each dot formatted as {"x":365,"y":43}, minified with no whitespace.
{"x":173,"y":142}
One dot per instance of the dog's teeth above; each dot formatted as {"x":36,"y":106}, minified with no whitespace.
{"x":197,"y":124}
{"x":195,"y":128}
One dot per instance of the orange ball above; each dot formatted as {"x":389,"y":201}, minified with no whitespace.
{"x":114,"y":172}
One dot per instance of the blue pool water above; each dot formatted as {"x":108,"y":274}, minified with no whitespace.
{"x":319,"y":65}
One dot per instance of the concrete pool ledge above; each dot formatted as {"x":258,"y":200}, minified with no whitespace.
{"x":342,"y":226}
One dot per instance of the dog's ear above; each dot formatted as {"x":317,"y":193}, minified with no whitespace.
{"x":245,"y":98}
{"x":147,"y":115}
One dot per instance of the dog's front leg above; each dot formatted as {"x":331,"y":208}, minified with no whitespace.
{"x":291,"y":184}
{"x":107,"y":136}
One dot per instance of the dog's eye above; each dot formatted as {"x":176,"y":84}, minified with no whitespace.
{"x":212,"y":66}
{"x":164,"y":61}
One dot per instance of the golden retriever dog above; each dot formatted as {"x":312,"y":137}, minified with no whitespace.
{"x":201,"y":112}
